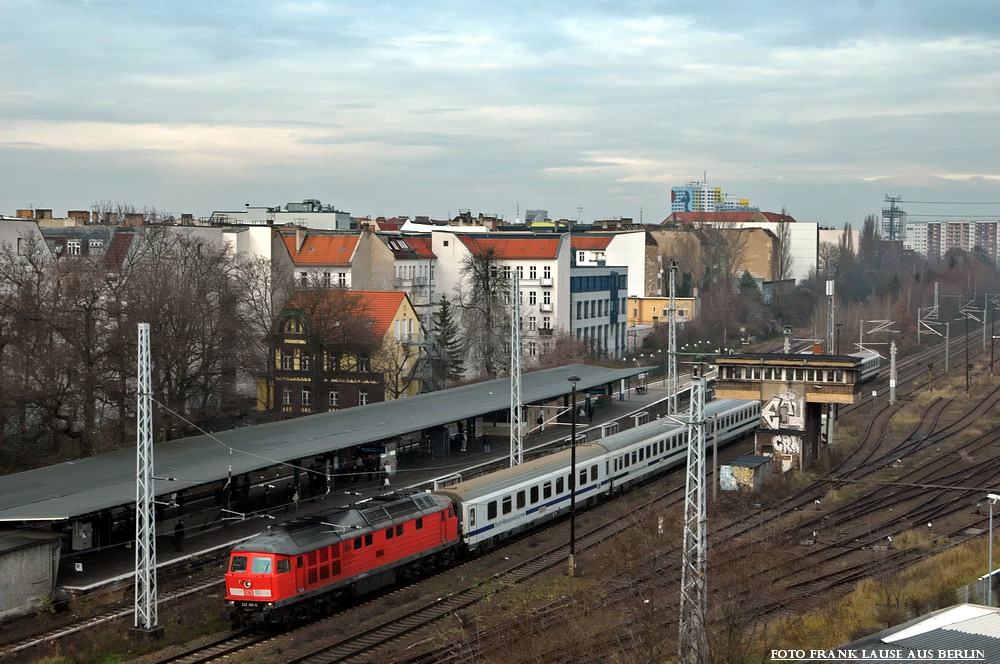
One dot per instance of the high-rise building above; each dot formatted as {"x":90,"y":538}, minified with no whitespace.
{"x":699,"y":197}
{"x":933,"y":239}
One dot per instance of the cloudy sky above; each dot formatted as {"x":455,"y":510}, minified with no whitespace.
{"x":393,"y":108}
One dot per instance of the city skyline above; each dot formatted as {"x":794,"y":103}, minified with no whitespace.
{"x":390,"y":109}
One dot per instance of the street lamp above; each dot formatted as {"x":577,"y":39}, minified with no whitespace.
{"x":572,"y":480}
{"x":993,"y":498}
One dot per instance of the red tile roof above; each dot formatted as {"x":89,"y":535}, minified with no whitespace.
{"x":381,"y":307}
{"x":421,"y":245}
{"x":513,"y":248}
{"x":332,"y":250}
{"x":591,"y":242}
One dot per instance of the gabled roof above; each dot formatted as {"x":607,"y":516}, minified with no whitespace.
{"x":381,"y":307}
{"x":591,"y":242}
{"x":332,"y":250}
{"x":513,"y":248}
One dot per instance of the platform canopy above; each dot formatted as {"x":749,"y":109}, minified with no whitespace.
{"x":88,"y":485}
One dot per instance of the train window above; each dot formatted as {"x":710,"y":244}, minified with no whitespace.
{"x":284,"y":565}
{"x":798,"y":374}
{"x":357,"y":543}
{"x":534,"y":495}
{"x":616,"y":464}
{"x":508,"y":504}
{"x":399,"y":529}
{"x":593,"y":473}
{"x":472,"y":516}
{"x":583,"y":478}
{"x":368,"y":539}
{"x":419,"y":523}
{"x":838,"y":375}
{"x":388,"y":533}
{"x":520,"y":499}
{"x":547,"y":490}
{"x":642,"y":453}
{"x":298,"y":561}
{"x":491,"y":510}
{"x":810,"y":374}
{"x":261,"y":566}
{"x":239,"y":564}
{"x":560,"y":485}
{"x":634,"y":457}
{"x":661,"y":446}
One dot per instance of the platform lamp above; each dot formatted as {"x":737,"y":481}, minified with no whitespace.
{"x":572,"y":480}
{"x":993,"y":498}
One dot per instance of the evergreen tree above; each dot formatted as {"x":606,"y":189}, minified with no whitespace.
{"x":448,"y":362}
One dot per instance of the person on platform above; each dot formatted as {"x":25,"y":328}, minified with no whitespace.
{"x":179,"y":533}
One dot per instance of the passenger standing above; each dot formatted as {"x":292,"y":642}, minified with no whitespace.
{"x":463,"y":440}
{"x":179,"y":533}
{"x":486,"y":444}
{"x":359,"y":468}
{"x":386,"y":469}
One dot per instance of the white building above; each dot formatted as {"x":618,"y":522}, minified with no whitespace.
{"x":625,"y":248}
{"x":542,"y":262}
{"x":310,"y":213}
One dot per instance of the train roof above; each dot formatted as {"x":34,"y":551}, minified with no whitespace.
{"x":664,"y":426}
{"x":315,"y":531}
{"x":485,"y":485}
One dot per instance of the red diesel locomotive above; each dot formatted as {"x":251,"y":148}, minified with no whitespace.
{"x":306,"y":566}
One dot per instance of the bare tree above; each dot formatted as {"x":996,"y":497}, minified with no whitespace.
{"x":484,"y":302}
{"x":398,"y":362}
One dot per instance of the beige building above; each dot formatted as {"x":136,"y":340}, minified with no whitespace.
{"x":653,"y":310}
{"x":757,"y":248}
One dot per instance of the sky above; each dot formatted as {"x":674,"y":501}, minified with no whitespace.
{"x":585,"y":109}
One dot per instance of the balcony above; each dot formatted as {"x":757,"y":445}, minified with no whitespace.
{"x":545,"y":281}
{"x":545,"y":307}
{"x":545,"y":331}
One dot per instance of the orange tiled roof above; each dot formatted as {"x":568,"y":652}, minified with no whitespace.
{"x":381,"y":307}
{"x":513,"y":248}
{"x":333,"y":250}
{"x":591,"y":242}
{"x":421,"y":245}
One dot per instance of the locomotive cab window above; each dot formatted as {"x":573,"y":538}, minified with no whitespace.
{"x":368,"y":539}
{"x":239,"y":564}
{"x":261,"y":566}
{"x":298,"y":562}
{"x":284,"y":565}
{"x":399,"y":529}
{"x":357,"y":543}
{"x":388,"y":533}
{"x":419,"y":524}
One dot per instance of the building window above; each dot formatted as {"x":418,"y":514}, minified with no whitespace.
{"x":506,"y":271}
{"x":96,"y":244}
{"x":532,"y":348}
{"x":72,"y":247}
{"x":547,"y":272}
{"x":532,"y":272}
{"x":364,"y":363}
{"x":305,"y":362}
{"x":303,"y":278}
{"x":307,"y":396}
{"x":362,"y":398}
{"x":532,"y":323}
{"x":532,"y":297}
{"x":287,"y":361}
{"x":579,"y":257}
{"x":546,"y":297}
{"x":342,"y":280}
{"x":286,"y":396}
{"x":547,"y":322}
{"x":334,"y":398}
{"x":520,"y":272}
{"x":327,"y":279}
{"x":579,"y":310}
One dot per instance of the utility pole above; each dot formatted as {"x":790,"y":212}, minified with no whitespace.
{"x":693,"y":644}
{"x":967,"y":365}
{"x":947,"y":342}
{"x":672,"y":343}
{"x":892,"y":373}
{"x":145,"y":514}
{"x":516,"y":448}
{"x":993,"y":335}
{"x":829,"y":323}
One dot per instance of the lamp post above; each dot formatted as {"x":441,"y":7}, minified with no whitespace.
{"x":572,"y":480}
{"x":993,"y":498}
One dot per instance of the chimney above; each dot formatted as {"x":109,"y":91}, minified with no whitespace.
{"x":135,"y":219}
{"x":817,"y":349}
{"x":82,"y":216}
{"x":42,"y":213}
{"x":25,"y":214}
{"x":300,"y":238}
{"x":187,"y":219}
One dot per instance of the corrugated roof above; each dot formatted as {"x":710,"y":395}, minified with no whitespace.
{"x":332,"y":250}
{"x":513,"y":248}
{"x":591,"y":242}
{"x":84,"y":486}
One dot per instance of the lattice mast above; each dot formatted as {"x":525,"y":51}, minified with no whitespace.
{"x":145,"y":524}
{"x":672,"y":343}
{"x":516,"y":452}
{"x":693,"y":644}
